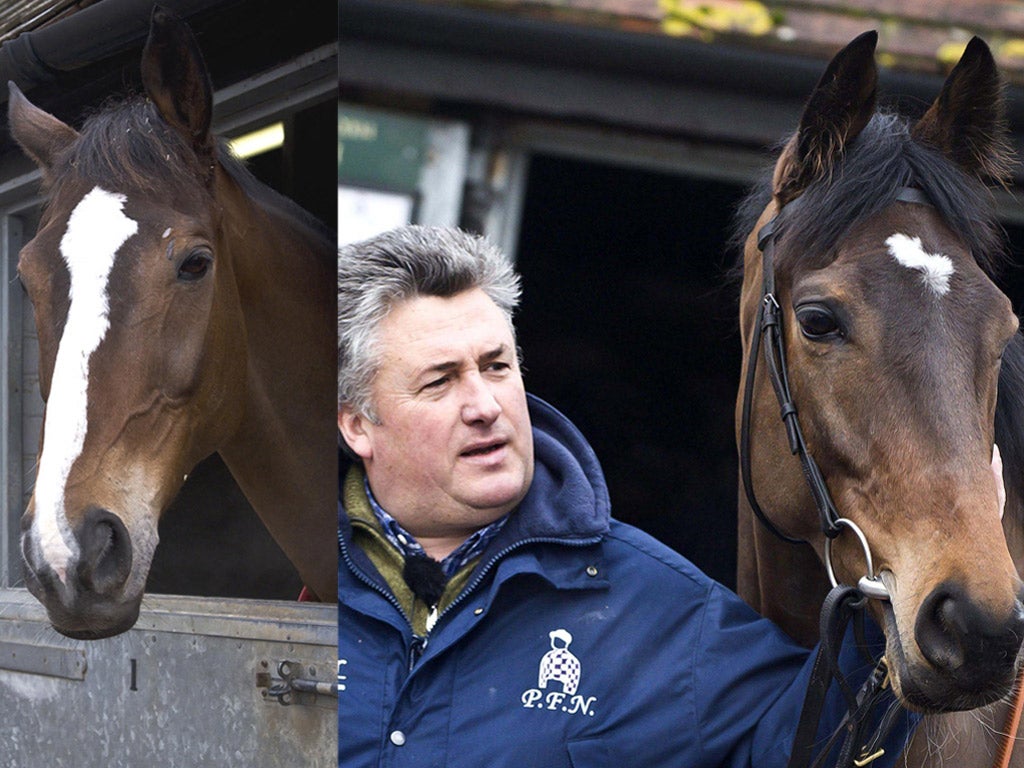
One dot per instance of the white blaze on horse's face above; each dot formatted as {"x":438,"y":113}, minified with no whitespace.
{"x":97,"y":228}
{"x":935,"y":268}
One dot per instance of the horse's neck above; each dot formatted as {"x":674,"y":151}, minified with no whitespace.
{"x":784,"y":582}
{"x":284,"y":454}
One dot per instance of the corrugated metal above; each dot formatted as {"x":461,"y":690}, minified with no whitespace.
{"x":17,"y":16}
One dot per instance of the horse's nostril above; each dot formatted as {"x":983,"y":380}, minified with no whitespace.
{"x":937,"y":631}
{"x":961,"y":638}
{"x":106,"y":552}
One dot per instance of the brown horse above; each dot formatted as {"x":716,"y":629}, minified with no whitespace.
{"x":182,"y":308}
{"x":894,"y":334}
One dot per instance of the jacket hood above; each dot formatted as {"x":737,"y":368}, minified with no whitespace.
{"x":568,"y":498}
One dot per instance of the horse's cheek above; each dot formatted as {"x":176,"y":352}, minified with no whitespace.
{"x":218,"y":364}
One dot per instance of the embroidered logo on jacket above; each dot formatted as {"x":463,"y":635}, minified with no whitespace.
{"x":559,"y":664}
{"x":559,"y":668}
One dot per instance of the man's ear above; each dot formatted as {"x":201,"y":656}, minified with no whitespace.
{"x":352,"y":426}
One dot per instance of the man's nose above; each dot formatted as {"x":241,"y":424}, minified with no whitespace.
{"x":480,"y":404}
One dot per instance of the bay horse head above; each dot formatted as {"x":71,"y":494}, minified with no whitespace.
{"x":884,"y":240}
{"x":171,"y":295}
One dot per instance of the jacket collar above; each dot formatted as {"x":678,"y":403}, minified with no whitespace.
{"x":568,"y":498}
{"x":567,"y":504}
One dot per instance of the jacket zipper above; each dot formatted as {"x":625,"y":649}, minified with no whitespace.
{"x":511,"y":548}
{"x":418,"y":644}
{"x":370,"y":582}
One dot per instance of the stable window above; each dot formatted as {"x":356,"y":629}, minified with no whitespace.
{"x":396,"y":169}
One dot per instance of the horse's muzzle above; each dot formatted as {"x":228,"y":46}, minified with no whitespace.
{"x":90,"y":601}
{"x":972,"y":653}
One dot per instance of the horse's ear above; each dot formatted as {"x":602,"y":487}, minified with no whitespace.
{"x":39,"y":133}
{"x":840,"y":106}
{"x":175,"y":78}
{"x":967,"y":122}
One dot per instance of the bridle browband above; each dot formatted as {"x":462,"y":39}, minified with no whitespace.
{"x":768,"y":329}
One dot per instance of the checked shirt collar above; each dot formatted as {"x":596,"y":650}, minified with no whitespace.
{"x":407,"y":545}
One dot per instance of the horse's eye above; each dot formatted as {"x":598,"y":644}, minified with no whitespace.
{"x":195,"y":265}
{"x":818,"y":323}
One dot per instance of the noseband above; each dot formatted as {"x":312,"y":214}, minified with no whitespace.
{"x":768,"y":328}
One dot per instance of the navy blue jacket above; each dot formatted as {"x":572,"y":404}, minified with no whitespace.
{"x":579,"y":641}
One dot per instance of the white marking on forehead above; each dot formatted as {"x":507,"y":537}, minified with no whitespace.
{"x":935,"y":268}
{"x":97,"y":228}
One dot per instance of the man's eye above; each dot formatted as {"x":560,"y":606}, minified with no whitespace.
{"x":436,"y":383}
{"x":498,"y":366}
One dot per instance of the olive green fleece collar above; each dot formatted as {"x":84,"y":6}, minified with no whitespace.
{"x":368,"y":536}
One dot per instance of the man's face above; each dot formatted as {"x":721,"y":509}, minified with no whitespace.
{"x":453,"y":450}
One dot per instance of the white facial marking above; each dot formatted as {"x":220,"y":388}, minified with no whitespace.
{"x":165,"y":234}
{"x":935,"y":268}
{"x":97,"y":228}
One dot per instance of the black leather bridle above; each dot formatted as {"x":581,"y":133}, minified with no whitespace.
{"x":768,"y":328}
{"x":857,"y":742}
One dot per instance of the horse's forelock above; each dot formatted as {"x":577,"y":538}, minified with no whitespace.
{"x":127,"y":145}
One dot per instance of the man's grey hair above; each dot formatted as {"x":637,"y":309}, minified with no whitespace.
{"x":377,"y":274}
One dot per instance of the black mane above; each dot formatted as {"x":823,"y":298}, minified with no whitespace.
{"x":270,"y":198}
{"x":881,"y":160}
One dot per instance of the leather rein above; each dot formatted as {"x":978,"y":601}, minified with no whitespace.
{"x":843,"y":601}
